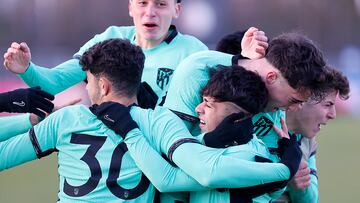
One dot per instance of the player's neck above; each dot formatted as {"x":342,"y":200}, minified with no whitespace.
{"x":126,"y":101}
{"x":259,"y":66}
{"x":245,"y":63}
{"x":291,"y":121}
{"x":147,"y":44}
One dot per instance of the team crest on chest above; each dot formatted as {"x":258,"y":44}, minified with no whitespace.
{"x":163,"y":77}
{"x":262,"y":126}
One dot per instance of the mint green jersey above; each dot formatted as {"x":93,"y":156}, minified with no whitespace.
{"x":191,"y":77}
{"x":246,"y":152}
{"x":160,"y":61}
{"x":14,"y":125}
{"x":184,"y":95}
{"x":94,"y":165}
{"x":263,"y":129}
{"x":212,"y":168}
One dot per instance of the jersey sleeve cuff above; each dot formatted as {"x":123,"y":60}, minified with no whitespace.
{"x":177,"y":144}
{"x":39,"y":153}
{"x":28,"y":73}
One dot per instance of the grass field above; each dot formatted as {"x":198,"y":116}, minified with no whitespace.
{"x":338,"y":169}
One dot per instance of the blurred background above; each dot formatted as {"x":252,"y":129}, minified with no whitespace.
{"x":55,"y":30}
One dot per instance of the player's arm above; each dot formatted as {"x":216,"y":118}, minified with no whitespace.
{"x":17,"y":60}
{"x":53,"y":80}
{"x":310,"y":193}
{"x":164,"y":176}
{"x":14,"y":125}
{"x":56,"y":79}
{"x":38,"y":142}
{"x":210,"y":167}
{"x":214,"y":167}
{"x":139,"y":146}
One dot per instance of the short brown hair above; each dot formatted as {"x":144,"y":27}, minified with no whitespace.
{"x":238,"y":85}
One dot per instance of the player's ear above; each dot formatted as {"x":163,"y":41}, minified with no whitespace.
{"x":104,"y":86}
{"x":271,"y":77}
{"x":130,"y":8}
{"x":177,"y":10}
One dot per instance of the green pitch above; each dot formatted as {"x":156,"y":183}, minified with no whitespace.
{"x":338,"y":169}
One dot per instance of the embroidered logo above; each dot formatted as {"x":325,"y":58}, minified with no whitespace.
{"x":106,"y":117}
{"x":163,"y":77}
{"x":262,"y":126}
{"x":22,"y":103}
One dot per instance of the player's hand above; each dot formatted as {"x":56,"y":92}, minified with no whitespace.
{"x":115,"y":116}
{"x":288,"y":148}
{"x":283,"y":132}
{"x":17,"y":58}
{"x":290,"y":153}
{"x":254,"y":43}
{"x":301,"y":180}
{"x":235,"y":129}
{"x":31,"y":100}
{"x":34,"y":119}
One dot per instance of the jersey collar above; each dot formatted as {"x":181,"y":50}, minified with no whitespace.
{"x":173,"y":33}
{"x":236,"y":58}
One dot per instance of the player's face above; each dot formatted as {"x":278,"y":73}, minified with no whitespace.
{"x":282,"y":96}
{"x":211,"y":113}
{"x":309,"y":119}
{"x":92,"y":88}
{"x":152,"y":18}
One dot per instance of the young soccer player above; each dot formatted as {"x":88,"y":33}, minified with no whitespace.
{"x":251,"y":95}
{"x":307,"y":122}
{"x":291,"y":71}
{"x":303,"y":187}
{"x":232,"y":90}
{"x":152,"y":31}
{"x":93,"y":163}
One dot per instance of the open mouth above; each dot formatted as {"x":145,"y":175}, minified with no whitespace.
{"x":150,"y":25}
{"x":202,"y":122}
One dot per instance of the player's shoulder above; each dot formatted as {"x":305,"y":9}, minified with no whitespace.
{"x":190,"y":41}
{"x":73,"y":111}
{"x":209,"y":54}
{"x":126,"y":32}
{"x":163,"y":112}
{"x":160,"y":116}
{"x":68,"y":117}
{"x":159,"y":112}
{"x":273,"y":116}
{"x":208,"y":58}
{"x":155,"y":122}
